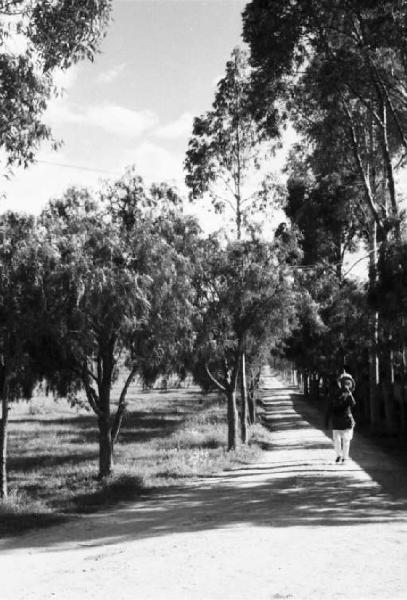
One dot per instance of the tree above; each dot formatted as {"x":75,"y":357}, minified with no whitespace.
{"x":117,"y":300}
{"x":49,"y":35}
{"x":246,"y":290}
{"x":340,"y":72}
{"x":94,"y":303}
{"x":226,"y":157}
{"x":228,"y":147}
{"x":20,"y":301}
{"x":341,"y":64}
{"x":164,"y":341}
{"x":328,"y":217}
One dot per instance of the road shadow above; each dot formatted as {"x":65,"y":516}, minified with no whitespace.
{"x":290,"y":499}
{"x":389,"y":471}
{"x":295,"y":488}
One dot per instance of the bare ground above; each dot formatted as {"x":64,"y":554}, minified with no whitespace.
{"x":294,"y":525}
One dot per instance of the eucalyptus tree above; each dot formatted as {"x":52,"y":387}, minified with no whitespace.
{"x":229,"y":147}
{"x":342,"y":61}
{"x":36,"y":38}
{"x":340,"y":71}
{"x":227,"y":154}
{"x":246,"y":290}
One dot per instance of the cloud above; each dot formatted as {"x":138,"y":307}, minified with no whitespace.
{"x":30,"y":189}
{"x":120,"y":120}
{"x":111,"y":74}
{"x":111,"y":118}
{"x":179,"y":128}
{"x":155,"y":163}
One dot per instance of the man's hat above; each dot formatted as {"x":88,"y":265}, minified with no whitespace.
{"x":345,"y":376}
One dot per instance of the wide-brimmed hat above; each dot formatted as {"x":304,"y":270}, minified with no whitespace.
{"x":346,"y":376}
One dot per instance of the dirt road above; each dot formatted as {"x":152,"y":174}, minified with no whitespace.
{"x":294,"y":525}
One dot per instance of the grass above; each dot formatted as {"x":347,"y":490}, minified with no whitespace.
{"x":166,"y":438}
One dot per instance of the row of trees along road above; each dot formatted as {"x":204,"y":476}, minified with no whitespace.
{"x":338,"y":70}
{"x":124,"y":283}
{"x":226,"y":165}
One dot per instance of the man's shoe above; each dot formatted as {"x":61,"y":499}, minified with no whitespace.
{"x":338,"y":459}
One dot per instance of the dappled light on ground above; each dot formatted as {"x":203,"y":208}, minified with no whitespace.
{"x":285,"y":513}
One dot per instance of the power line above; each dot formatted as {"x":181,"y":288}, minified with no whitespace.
{"x":77,"y":167}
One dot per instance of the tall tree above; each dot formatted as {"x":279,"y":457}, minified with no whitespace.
{"x":344,"y":62}
{"x":229,"y":146}
{"x":226,"y":157}
{"x":340,"y":70}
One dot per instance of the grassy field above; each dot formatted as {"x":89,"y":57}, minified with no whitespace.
{"x":166,"y":437}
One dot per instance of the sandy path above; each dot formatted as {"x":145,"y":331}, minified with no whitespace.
{"x":292,"y":526}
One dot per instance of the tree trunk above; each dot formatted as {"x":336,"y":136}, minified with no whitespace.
{"x":388,"y":407}
{"x":105,"y":447}
{"x":403,"y":391}
{"x":374,"y":377}
{"x":252,"y":405}
{"x":244,"y":415}
{"x":389,"y":394}
{"x":104,"y":422}
{"x":3,"y":440}
{"x":306,"y":385}
{"x":232,"y":419}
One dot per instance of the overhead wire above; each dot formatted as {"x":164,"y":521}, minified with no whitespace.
{"x":77,"y":167}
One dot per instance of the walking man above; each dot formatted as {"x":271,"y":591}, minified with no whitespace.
{"x":339,"y":414}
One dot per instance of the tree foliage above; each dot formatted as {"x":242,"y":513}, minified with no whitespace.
{"x":340,"y":69}
{"x":118,"y":295}
{"x":228,"y":146}
{"x":20,"y":303}
{"x":246,"y":297}
{"x":36,"y":39}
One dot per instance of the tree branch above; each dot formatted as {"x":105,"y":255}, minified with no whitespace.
{"x":215,"y":381}
{"x":358,"y":159}
{"x":90,"y":392}
{"x":122,"y":405}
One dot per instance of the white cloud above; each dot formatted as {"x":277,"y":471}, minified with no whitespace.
{"x":111,"y":74}
{"x":109,"y":117}
{"x":179,"y":128}
{"x":155,"y":163}
{"x":120,"y":120}
{"x":30,"y":189}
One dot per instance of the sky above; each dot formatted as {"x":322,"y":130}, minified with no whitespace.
{"x":158,"y":68}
